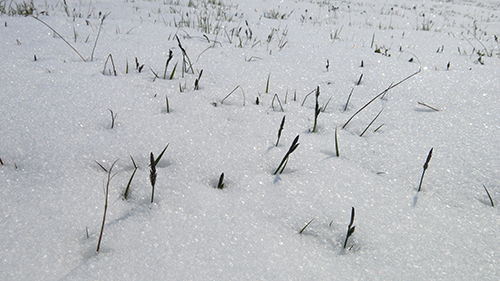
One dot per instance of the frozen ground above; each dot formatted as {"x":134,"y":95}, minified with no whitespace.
{"x":56,"y":124}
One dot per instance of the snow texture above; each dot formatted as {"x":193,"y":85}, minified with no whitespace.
{"x":56,"y":124}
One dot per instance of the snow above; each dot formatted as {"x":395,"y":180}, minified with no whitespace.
{"x":56,"y":124}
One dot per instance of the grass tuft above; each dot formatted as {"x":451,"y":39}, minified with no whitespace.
{"x":152,"y":170}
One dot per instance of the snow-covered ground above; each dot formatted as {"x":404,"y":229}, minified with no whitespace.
{"x":56,"y":124}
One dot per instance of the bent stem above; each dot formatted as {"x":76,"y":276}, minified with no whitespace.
{"x":59,"y":36}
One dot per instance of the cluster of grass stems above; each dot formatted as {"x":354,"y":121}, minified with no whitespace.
{"x":71,"y":46}
{"x":152,"y":170}
{"x":284,"y":161}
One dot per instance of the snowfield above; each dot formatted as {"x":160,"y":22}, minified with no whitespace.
{"x":237,"y":68}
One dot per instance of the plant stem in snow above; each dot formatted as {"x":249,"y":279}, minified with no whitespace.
{"x":280,"y":130}
{"x":267,"y":84}
{"x":127,"y":189}
{"x":433,"y":108}
{"x":220,"y":185}
{"x":110,"y":57}
{"x":489,"y":196}
{"x":106,"y":191}
{"x":350,"y":228}
{"x":336,"y":144}
{"x":371,"y":123}
{"x":390,"y":87}
{"x":197,"y":81}
{"x":113,"y":117}
{"x":426,"y":165}
{"x":317,"y":110}
{"x":170,"y":56}
{"x":283,"y":163}
{"x":348,"y":99}
{"x":304,"y":228}
{"x":168,"y":107}
{"x":59,"y":36}
{"x":359,"y":81}
{"x":97,"y":38}
{"x":152,"y":175}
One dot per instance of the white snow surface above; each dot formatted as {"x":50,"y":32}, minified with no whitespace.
{"x":56,"y":124}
